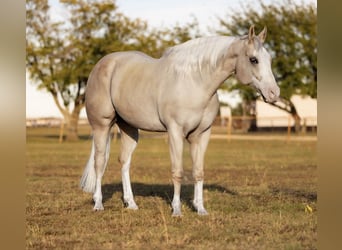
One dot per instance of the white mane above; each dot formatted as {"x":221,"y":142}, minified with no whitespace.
{"x":197,"y":54}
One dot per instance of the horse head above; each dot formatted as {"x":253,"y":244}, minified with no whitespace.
{"x":253,"y":66}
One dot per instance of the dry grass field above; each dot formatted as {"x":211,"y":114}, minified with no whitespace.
{"x":260,"y":194}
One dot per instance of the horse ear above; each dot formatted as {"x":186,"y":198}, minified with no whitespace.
{"x":262,"y":35}
{"x":251,"y":33}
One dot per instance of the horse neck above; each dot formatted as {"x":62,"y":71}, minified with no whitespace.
{"x":225,"y":67}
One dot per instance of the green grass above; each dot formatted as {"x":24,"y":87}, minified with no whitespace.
{"x":255,"y":192}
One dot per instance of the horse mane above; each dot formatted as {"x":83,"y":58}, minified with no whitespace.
{"x":196,"y":54}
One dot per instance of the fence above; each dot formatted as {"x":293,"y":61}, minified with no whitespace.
{"x":244,"y":123}
{"x":233,"y":123}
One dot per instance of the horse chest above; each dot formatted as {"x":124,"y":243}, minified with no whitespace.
{"x":190,"y":113}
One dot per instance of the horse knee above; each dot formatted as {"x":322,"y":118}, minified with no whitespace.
{"x":121,"y":161}
{"x":100,"y":162}
{"x":125,"y":163}
{"x":177,"y":175}
{"x":198,"y":175}
{"x":100,"y":157}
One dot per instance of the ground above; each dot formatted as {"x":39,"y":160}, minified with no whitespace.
{"x":260,"y":194}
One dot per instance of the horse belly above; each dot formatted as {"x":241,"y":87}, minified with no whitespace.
{"x":140,"y":116}
{"x":135,"y":102}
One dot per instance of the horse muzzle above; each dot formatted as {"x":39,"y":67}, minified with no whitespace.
{"x":271,"y":95}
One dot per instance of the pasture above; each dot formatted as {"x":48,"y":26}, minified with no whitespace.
{"x":260,"y":194}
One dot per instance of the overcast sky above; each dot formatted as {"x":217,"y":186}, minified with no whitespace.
{"x":158,"y":13}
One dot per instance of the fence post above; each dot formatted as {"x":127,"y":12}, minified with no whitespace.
{"x":61,"y":132}
{"x":288,"y":127}
{"x":229,"y":127}
{"x":304,"y":126}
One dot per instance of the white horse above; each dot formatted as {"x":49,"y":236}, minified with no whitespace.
{"x":175,"y":93}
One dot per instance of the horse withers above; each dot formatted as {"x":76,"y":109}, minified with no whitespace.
{"x":175,"y":94}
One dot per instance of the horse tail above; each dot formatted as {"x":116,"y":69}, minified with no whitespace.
{"x":88,"y":180}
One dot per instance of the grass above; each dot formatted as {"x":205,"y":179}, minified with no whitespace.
{"x":257,"y":194}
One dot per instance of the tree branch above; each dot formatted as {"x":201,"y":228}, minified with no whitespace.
{"x":54,"y":93}
{"x":286,"y":102}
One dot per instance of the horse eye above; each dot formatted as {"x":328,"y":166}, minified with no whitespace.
{"x":253,"y":60}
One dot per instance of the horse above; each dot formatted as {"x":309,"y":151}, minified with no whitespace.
{"x":175,"y":93}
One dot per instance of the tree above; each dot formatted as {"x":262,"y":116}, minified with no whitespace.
{"x":60,"y":55}
{"x":292,"y":43}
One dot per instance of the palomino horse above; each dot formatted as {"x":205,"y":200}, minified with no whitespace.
{"x":175,"y":93}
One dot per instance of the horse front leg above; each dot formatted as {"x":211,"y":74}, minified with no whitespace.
{"x":176,"y":150}
{"x":198,"y":146}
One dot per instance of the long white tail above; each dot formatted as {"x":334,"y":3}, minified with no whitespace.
{"x":88,"y":180}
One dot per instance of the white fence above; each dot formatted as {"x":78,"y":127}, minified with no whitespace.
{"x":50,"y":122}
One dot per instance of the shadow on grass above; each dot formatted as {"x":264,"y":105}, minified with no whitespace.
{"x":297,"y":194}
{"x":80,"y":137}
{"x":163,"y":191}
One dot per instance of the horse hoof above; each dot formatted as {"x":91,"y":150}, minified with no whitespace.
{"x":98,"y":207}
{"x":176,"y":214}
{"x":202,"y":212}
{"x":132,"y":207}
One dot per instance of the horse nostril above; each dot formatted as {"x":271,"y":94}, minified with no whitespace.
{"x":272,"y":94}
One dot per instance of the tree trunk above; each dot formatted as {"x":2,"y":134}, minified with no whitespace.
{"x":296,"y":117}
{"x":71,"y":127}
{"x":71,"y":124}
{"x":70,"y":119}
{"x":297,"y":120}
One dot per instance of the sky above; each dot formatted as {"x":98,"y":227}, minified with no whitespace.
{"x":158,"y":13}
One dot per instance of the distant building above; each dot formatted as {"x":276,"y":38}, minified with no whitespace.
{"x":43,"y":122}
{"x":51,"y":122}
{"x":270,"y":116}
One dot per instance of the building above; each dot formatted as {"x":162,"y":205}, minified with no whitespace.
{"x":270,"y":116}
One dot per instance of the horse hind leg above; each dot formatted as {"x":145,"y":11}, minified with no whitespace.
{"x":101,"y":116}
{"x":129,"y":140}
{"x":102,"y":149}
